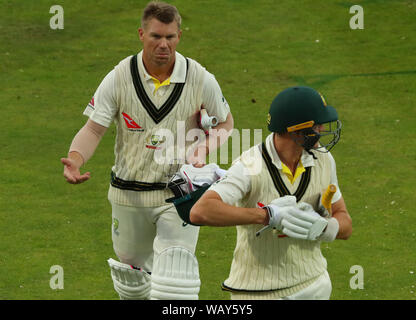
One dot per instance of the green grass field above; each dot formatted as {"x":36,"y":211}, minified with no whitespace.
{"x":255,"y":49}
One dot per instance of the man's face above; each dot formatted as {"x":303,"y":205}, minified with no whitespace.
{"x":318,"y":128}
{"x":159,"y":41}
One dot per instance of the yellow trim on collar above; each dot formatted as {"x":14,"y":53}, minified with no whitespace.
{"x":158,"y":84}
{"x":299,"y":170}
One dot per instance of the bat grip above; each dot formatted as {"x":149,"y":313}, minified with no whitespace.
{"x":206,"y":121}
{"x":328,"y":195}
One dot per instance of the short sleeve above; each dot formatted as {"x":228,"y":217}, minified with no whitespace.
{"x":234,"y":185}
{"x":103,"y":107}
{"x":213,"y":99}
{"x":334,"y":179}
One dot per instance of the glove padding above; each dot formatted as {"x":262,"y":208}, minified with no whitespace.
{"x":190,"y":178}
{"x":278,"y":210}
{"x":199,"y":176}
{"x":302,"y":222}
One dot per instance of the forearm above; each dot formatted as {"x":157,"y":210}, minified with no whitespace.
{"x":210,"y":210}
{"x":85,"y":142}
{"x":340,"y":212}
{"x":217,"y":135}
{"x":345,"y":227}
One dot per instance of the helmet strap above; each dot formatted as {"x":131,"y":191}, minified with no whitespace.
{"x":310,"y":138}
{"x":308,"y":141}
{"x":312,"y":154}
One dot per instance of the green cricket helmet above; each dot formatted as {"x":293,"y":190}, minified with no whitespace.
{"x":301,"y":109}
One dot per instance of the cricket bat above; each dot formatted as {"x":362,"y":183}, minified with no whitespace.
{"x":326,"y":198}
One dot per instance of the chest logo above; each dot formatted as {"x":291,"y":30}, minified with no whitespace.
{"x":155,"y":142}
{"x":130,"y":123}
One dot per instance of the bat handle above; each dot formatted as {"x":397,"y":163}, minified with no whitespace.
{"x":327,"y":196}
{"x":206,"y":121}
{"x":262,"y":229}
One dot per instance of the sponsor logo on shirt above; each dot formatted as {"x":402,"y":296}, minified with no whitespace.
{"x":155,"y":142}
{"x":220,"y":179}
{"x":91,"y":104}
{"x":130,"y":123}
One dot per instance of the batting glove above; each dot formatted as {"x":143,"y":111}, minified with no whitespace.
{"x":278,"y":209}
{"x":303,"y":223}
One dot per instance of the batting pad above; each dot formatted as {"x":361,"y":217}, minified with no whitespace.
{"x":175,"y":275}
{"x":129,"y":283}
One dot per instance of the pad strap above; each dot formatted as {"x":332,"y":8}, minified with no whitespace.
{"x":130,"y":283}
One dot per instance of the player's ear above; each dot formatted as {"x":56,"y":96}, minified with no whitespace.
{"x":141,"y":33}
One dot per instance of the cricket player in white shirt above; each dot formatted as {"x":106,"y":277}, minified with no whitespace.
{"x":279,"y":184}
{"x":156,"y":89}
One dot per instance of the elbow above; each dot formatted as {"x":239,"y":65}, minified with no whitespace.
{"x":230,"y":124}
{"x":347,"y":230}
{"x":231,"y":121}
{"x":348,"y":234}
{"x":345,"y":235}
{"x":196,"y":215}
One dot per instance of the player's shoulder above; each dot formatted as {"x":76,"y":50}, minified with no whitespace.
{"x":251,"y":156}
{"x":210,"y":83}
{"x":331,"y":159}
{"x":321,"y":159}
{"x":125,"y":61}
{"x":193,"y":64}
{"x":187,"y":58}
{"x":330,"y":156}
{"x":325,"y":156}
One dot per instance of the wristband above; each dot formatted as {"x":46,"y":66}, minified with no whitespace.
{"x":330,"y":232}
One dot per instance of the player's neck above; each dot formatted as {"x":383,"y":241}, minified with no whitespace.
{"x":159,"y":72}
{"x":289,"y":152}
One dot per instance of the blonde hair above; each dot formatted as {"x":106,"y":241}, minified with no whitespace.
{"x":162,"y":11}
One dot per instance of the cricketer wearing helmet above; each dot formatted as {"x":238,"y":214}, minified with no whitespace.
{"x":278,"y":184}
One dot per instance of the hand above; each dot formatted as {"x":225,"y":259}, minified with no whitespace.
{"x":198,"y":164}
{"x":323,"y":212}
{"x":72,"y":173}
{"x":303,"y":224}
{"x":278,"y":209}
{"x":198,"y":157}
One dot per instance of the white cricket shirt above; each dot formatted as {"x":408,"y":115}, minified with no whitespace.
{"x":237,"y":183}
{"x":103,"y":107}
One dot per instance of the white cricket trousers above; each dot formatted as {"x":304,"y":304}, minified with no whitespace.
{"x":320,"y":289}
{"x":140,"y":233}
